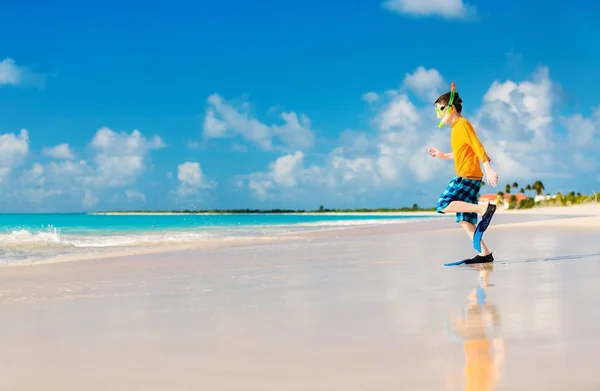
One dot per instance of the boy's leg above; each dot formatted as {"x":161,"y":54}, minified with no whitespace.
{"x":468,"y":220}
{"x":465,"y":207}
{"x":461,"y":196}
{"x":448,"y":196}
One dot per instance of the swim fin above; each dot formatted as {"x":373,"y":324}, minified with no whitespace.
{"x":456,"y":263}
{"x":482,"y":226}
{"x":473,"y":261}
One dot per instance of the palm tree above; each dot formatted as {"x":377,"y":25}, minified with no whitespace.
{"x":499,"y":197}
{"x":560,"y":199}
{"x":522,"y":190}
{"x":538,"y":186}
{"x":507,"y":189}
{"x":515,"y":185}
{"x":512,"y":202}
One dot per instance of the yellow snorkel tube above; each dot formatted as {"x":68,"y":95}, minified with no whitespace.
{"x":448,"y":106}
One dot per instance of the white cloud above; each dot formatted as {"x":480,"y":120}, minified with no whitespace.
{"x":61,"y":151}
{"x":116,"y":160}
{"x":596,"y":114}
{"x":4,"y":174}
{"x":399,"y":112}
{"x":12,"y":74}
{"x":135,"y":195}
{"x":260,"y":187}
{"x":13,"y":151}
{"x":89,"y":199}
{"x":370,"y":97}
{"x":516,"y":122}
{"x":192,"y":179}
{"x":224,"y":119}
{"x":239,"y":147}
{"x":528,"y":102}
{"x":33,"y":184}
{"x":284,"y":169}
{"x":427,"y":83}
{"x":13,"y":148}
{"x":582,"y":132}
{"x":583,"y":138}
{"x":286,"y":172}
{"x":450,"y":9}
{"x":120,"y":157}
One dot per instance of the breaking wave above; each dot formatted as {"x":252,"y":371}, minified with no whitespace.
{"x":29,"y":245}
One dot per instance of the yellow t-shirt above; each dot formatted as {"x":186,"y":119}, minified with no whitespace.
{"x":467,"y":149}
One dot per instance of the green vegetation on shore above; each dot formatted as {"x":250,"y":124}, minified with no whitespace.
{"x":537,"y":188}
{"x":322,"y":209}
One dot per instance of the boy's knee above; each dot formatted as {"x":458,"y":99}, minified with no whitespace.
{"x":468,"y":218}
{"x":441,"y":206}
{"x":471,"y":218}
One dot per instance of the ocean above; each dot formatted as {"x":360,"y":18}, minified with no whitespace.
{"x":30,"y":238}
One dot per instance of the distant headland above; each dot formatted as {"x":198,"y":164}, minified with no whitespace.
{"x":321,"y":210}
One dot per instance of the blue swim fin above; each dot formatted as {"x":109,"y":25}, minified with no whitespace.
{"x":482,"y":226}
{"x":455,"y":263}
{"x":477,"y":240}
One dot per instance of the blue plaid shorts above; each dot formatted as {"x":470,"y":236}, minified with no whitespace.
{"x":461,"y":189}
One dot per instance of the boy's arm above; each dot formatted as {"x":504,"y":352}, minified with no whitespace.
{"x":473,"y":141}
{"x":448,"y":156}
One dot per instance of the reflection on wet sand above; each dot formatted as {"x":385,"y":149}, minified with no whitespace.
{"x":477,"y":327}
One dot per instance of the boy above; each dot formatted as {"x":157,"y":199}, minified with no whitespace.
{"x":461,"y":195}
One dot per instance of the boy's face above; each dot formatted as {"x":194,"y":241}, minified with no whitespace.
{"x":440,"y":109}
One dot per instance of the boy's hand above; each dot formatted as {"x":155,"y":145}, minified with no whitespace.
{"x":434,"y":152}
{"x":492,"y":177}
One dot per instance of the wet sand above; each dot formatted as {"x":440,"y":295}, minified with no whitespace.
{"x":363,"y":309}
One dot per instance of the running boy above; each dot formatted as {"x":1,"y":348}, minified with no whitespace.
{"x":462,"y":194}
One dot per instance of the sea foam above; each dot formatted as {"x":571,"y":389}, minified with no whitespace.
{"x":24,"y":243}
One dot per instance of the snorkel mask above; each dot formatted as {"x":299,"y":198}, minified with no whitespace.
{"x":441,"y":111}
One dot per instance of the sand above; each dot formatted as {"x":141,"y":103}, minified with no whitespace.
{"x":590,"y":209}
{"x":363,"y":309}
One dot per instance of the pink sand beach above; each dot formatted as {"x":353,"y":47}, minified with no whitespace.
{"x":357,"y":309}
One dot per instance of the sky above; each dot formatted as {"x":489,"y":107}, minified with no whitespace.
{"x":269,"y":104}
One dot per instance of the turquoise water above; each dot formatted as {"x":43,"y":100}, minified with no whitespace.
{"x":31,"y":237}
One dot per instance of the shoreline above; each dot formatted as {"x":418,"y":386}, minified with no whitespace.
{"x":572,"y":217}
{"x":222,"y":242}
{"x":503,"y":220}
{"x":416,"y":213}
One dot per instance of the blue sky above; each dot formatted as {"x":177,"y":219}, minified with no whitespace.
{"x":121,"y":105}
